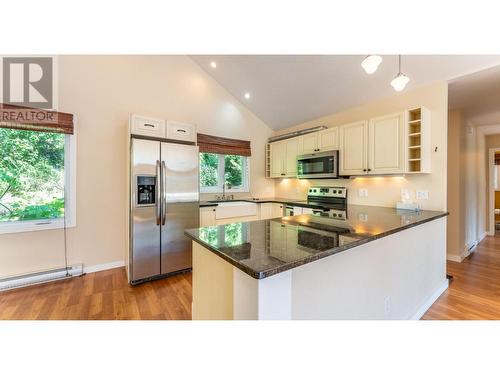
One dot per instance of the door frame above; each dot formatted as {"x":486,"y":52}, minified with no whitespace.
{"x":491,"y":190}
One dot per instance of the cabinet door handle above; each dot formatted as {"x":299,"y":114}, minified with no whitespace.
{"x":369,"y":170}
{"x":364,"y":170}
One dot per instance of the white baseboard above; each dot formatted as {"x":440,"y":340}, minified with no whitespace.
{"x":103,"y":266}
{"x":428,"y":303}
{"x":455,"y":258}
{"x":468,"y":249}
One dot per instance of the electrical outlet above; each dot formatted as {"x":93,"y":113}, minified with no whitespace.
{"x":363,"y":193}
{"x":363,"y":217}
{"x":387,"y":307}
{"x":422,"y":194}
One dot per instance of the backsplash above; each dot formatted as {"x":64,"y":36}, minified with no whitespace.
{"x":382,"y":191}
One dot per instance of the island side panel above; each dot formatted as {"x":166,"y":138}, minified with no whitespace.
{"x":265,"y":299}
{"x":212,"y":286}
{"x":394,"y":277}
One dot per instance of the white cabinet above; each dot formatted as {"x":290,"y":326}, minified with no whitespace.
{"x":265,"y":211}
{"x":147,"y":126}
{"x":328,"y":139}
{"x":158,"y":128}
{"x":180,"y":131}
{"x":277,"y":152}
{"x":291,"y":153}
{"x":353,"y":148}
{"x":373,"y":147}
{"x":283,"y":156}
{"x":207,"y":216}
{"x":324,"y":140}
{"x":278,"y":210}
{"x":309,"y":143}
{"x":270,"y":210}
{"x":386,"y":144}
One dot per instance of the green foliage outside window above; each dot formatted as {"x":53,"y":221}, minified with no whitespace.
{"x":208,"y":169}
{"x":233,"y":170}
{"x":31,"y":175}
{"x":211,"y":164}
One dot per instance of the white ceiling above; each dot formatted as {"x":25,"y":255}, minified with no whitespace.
{"x":287,"y":90}
{"x":477,"y":95}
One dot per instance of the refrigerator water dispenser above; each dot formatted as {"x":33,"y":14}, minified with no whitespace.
{"x":146,"y":190}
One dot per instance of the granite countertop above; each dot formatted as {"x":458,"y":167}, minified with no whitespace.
{"x":266,"y":247}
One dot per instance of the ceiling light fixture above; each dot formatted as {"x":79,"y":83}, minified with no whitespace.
{"x":399,"y":82}
{"x":213,"y":64}
{"x":370,"y":63}
{"x":247,"y":95}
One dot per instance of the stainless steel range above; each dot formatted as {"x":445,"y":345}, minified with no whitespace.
{"x":327,"y":201}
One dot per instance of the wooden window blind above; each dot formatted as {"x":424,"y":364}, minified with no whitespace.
{"x":25,"y":118}
{"x":226,"y":146}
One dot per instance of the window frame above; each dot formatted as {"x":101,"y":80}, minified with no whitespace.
{"x":69,"y":192}
{"x":245,"y":188}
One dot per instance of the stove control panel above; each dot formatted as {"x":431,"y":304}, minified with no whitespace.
{"x":327,"y":191}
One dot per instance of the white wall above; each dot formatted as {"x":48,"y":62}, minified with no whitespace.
{"x":101,"y":91}
{"x":475,"y":185}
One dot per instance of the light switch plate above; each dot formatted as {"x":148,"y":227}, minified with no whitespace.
{"x":363,"y":193}
{"x":422,"y":194}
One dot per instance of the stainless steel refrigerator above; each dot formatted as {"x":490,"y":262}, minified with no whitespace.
{"x":164,"y":202}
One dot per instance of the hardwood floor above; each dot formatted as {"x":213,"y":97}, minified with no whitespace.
{"x":102,"y":295}
{"x":474,"y":293}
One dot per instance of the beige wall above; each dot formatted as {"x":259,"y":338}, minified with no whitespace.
{"x":456,"y":195}
{"x":101,"y":91}
{"x":386,"y":191}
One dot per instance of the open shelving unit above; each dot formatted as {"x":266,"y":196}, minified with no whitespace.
{"x":418,"y":154}
{"x":268,"y":160}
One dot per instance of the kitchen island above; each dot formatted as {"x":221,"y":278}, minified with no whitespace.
{"x":378,"y":263}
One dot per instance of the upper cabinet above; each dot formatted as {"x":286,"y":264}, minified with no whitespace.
{"x":353,"y":149}
{"x":283,"y":158}
{"x":328,"y":139}
{"x":386,"y":144}
{"x":418,"y":133}
{"x":158,"y":128}
{"x":373,"y":147}
{"x":324,"y":140}
{"x":308,"y":143}
{"x":396,"y":143}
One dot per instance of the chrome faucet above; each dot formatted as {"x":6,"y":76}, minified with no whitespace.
{"x":223,"y":197}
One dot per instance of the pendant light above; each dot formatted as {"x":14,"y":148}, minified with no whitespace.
{"x":370,"y":63}
{"x":399,"y":82}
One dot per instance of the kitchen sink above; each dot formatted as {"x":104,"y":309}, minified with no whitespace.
{"x":228,"y":209}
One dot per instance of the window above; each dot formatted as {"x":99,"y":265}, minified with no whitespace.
{"x":217,"y":169}
{"x":36,"y":172}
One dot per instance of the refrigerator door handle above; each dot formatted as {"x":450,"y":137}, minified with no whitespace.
{"x":158,"y":195}
{"x":164,"y":192}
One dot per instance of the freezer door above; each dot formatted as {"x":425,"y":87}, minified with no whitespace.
{"x":180,"y":209}
{"x":145,"y":209}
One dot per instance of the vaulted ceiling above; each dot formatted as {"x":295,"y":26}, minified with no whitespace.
{"x":477,"y":96}
{"x":286,"y":90}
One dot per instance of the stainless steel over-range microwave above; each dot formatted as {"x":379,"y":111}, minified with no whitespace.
{"x":318,"y":165}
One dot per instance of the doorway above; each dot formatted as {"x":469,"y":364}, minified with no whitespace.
{"x":494,"y":191}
